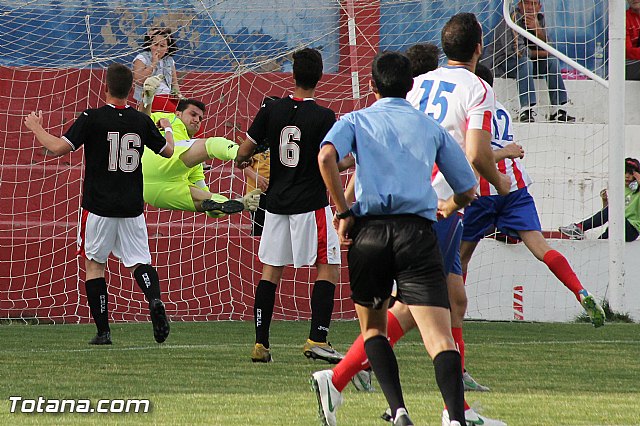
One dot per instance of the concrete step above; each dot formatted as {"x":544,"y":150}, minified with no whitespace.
{"x":588,"y":100}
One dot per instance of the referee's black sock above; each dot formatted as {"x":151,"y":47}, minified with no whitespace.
{"x":96,"y":290}
{"x":448,"y":369}
{"x":321,"y":310}
{"x":147,"y":278}
{"x":385,"y":366}
{"x":265,"y":298}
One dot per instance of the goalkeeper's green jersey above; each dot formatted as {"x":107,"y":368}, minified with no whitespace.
{"x":179,"y":129}
{"x":158,"y":169}
{"x":632,"y":206}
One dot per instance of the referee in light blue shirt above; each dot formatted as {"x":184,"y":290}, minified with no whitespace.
{"x":388,"y":229}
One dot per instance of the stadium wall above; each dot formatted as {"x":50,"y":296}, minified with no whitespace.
{"x":208,"y":36}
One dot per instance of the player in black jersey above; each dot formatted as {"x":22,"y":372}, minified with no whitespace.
{"x":114,"y":137}
{"x":297,"y":226}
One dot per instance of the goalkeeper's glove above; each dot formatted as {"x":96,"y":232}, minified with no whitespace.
{"x":251,"y":200}
{"x":177,"y":93}
{"x":150,"y":87}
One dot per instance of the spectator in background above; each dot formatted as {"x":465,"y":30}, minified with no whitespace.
{"x":257,"y":175}
{"x":516,"y":57}
{"x":575,"y":231}
{"x":156,"y":59}
{"x":632,"y":51}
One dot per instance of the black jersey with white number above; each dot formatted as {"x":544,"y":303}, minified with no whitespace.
{"x":294,"y":129}
{"x":114,"y":139}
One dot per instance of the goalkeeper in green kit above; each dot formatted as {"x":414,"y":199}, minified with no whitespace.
{"x":178,"y":183}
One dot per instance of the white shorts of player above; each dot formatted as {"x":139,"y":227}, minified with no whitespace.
{"x":125,"y":237}
{"x":300,"y":239}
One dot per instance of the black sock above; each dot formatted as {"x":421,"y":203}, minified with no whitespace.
{"x":263,"y":310}
{"x":596,"y":220}
{"x":321,"y":310}
{"x":96,"y":290}
{"x":448,"y":369}
{"x":147,"y":278}
{"x":385,"y":366}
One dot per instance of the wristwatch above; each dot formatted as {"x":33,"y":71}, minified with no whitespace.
{"x":345,"y":214}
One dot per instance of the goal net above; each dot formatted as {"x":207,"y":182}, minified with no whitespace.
{"x":231,"y":54}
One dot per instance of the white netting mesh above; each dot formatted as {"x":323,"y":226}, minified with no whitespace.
{"x":231,"y":54}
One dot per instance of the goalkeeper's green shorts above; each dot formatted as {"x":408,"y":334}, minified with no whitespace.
{"x":169,"y":195}
{"x":176,"y":196}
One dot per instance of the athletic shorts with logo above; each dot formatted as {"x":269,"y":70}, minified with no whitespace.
{"x":125,"y":237}
{"x":449,"y":233}
{"x":300,"y":239}
{"x":509,"y":214}
{"x":403,"y":248}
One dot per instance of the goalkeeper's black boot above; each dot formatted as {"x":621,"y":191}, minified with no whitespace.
{"x":159,"y":320}
{"x":228,"y":207}
{"x":102,"y":338}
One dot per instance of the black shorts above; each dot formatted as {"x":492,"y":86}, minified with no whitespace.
{"x":400,"y":247}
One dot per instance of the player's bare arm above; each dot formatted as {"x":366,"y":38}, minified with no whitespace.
{"x":165,"y":124}
{"x":512,"y":151}
{"x":245,"y":152}
{"x":480,"y":156}
{"x":56,"y":145}
{"x":349,"y":195}
{"x":328,"y":164}
{"x":454,"y":203}
{"x":346,"y":163}
{"x":261,"y":181}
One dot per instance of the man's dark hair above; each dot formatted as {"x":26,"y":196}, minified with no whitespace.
{"x":391,"y":72}
{"x":423,"y":57}
{"x":307,"y":68}
{"x":184,"y":104}
{"x":460,"y":36}
{"x":167,"y":33}
{"x":119,"y":80}
{"x":484,"y":73}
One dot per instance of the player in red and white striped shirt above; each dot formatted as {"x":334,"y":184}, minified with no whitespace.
{"x":515,"y":214}
{"x":463,"y":104}
{"x":503,"y":138}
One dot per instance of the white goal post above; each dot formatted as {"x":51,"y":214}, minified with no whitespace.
{"x":616,"y":128}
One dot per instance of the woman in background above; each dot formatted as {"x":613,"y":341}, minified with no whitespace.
{"x":156,"y":59}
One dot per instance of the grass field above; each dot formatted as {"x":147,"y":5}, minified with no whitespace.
{"x":540,"y":374}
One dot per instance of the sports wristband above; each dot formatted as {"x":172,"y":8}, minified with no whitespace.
{"x":168,"y":130}
{"x":344,"y":214}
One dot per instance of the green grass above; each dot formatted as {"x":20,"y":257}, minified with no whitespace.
{"x":540,"y":374}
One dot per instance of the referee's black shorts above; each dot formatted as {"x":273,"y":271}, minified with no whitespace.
{"x":400,"y":247}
